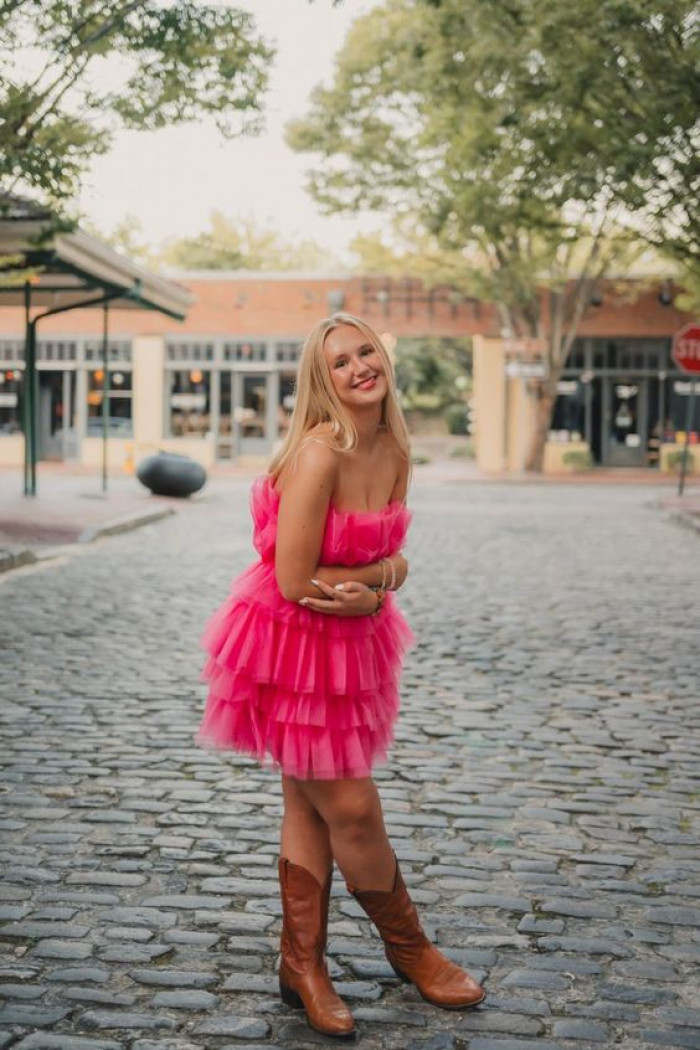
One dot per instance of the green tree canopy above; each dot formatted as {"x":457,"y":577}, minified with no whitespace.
{"x":74,"y":70}
{"x":243,"y":244}
{"x":527,"y":143}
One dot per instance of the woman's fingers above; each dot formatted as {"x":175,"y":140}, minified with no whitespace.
{"x":340,"y":605}
{"x":325,"y":588}
{"x":320,"y":605}
{"x":343,"y":599}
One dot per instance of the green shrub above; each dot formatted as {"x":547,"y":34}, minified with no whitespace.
{"x":465,"y":451}
{"x":456,"y":418}
{"x":675,"y":459}
{"x":424,"y":402}
{"x":578,"y":459}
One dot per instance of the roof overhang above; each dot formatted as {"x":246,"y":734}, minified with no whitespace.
{"x":69,"y":267}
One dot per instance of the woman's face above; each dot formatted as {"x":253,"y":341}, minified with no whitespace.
{"x":356,"y":368}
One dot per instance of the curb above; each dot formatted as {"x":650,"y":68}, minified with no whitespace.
{"x":123,"y":524}
{"x":688,"y":521}
{"x":17,"y":559}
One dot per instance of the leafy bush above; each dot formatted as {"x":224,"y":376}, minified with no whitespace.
{"x":578,"y":459}
{"x":456,"y":418}
{"x":675,"y":459}
{"x":465,"y":451}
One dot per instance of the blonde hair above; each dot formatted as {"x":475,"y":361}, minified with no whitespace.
{"x":317,"y":402}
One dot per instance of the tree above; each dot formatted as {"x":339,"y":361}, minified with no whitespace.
{"x":520,"y":142}
{"x":243,"y":244}
{"x":76,"y":69}
{"x":127,"y":237}
{"x":433,"y":373}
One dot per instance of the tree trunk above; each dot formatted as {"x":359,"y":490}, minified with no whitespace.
{"x":543,"y":418}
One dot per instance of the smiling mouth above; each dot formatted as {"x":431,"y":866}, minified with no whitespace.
{"x":369,"y":379}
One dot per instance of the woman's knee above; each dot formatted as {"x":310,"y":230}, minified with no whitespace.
{"x":296,"y":802}
{"x":353,"y":811}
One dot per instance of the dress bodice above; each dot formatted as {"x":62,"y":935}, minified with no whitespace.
{"x":350,"y":537}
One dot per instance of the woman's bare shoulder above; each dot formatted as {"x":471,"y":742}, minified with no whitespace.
{"x":316,"y":460}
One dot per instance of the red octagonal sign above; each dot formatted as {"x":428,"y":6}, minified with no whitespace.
{"x":686,"y":348}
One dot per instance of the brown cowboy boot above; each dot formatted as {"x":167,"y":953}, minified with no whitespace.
{"x":304,"y":979}
{"x":410,"y":953}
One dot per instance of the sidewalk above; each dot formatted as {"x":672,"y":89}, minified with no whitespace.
{"x":70,"y":507}
{"x":684,"y":509}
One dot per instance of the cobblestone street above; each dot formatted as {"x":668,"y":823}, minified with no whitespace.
{"x":543,"y":793}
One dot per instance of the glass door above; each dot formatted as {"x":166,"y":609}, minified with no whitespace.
{"x":251,"y":414}
{"x":225,"y":436}
{"x":625,"y":422}
{"x":57,"y":435}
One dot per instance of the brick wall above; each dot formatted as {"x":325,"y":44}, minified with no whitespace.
{"x":288,"y":307}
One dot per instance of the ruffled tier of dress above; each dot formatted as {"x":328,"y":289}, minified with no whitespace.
{"x":316,"y":701}
{"x":315,"y":696}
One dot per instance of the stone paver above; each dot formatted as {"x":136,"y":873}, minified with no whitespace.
{"x":542,"y":793}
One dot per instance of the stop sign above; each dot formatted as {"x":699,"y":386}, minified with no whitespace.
{"x":686,"y":347}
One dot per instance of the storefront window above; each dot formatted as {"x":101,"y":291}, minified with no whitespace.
{"x":225,"y":404}
{"x":286,"y":402}
{"x":251,"y":415}
{"x":568,"y":420}
{"x":120,"y":397}
{"x":189,"y":398}
{"x":679,"y":392}
{"x":250,"y":351}
{"x":10,"y":384}
{"x":577,"y":356}
{"x":287,"y":351}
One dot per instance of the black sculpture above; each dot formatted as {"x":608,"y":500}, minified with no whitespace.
{"x":169,"y":474}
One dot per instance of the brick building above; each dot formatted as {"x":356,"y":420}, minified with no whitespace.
{"x":219,"y":386}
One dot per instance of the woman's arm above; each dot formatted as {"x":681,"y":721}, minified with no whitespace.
{"x":304,"y":504}
{"x":371,"y":575}
{"x":303,"y":507}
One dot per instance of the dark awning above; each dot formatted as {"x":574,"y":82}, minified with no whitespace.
{"x":74,"y":264}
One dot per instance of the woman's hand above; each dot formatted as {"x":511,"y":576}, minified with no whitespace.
{"x":345,"y":599}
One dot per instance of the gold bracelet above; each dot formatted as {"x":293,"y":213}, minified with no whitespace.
{"x":380,"y":600}
{"x":392,"y":582}
{"x":382,"y":585}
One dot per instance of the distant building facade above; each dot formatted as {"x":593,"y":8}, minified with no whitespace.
{"x":220,"y":386}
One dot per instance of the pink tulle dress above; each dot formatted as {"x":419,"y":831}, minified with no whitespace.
{"x":311,"y":694}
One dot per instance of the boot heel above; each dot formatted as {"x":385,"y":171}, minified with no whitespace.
{"x":401,"y":976}
{"x":291,"y":998}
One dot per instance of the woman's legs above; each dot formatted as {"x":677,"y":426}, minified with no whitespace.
{"x":352,"y":813}
{"x":304,"y":840}
{"x":305,"y":874}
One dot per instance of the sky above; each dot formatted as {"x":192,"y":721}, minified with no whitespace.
{"x":171,"y":179}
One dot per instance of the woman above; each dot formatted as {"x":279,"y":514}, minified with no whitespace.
{"x":305,"y":657}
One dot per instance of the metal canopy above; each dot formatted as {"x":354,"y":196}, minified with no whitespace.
{"x":71,"y":270}
{"x":73,"y":264}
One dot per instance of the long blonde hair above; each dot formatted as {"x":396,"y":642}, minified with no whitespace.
{"x":317,"y":402}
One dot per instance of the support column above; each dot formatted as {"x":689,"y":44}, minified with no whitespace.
{"x":521,"y":423}
{"x":490,"y":404}
{"x":148,"y":397}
